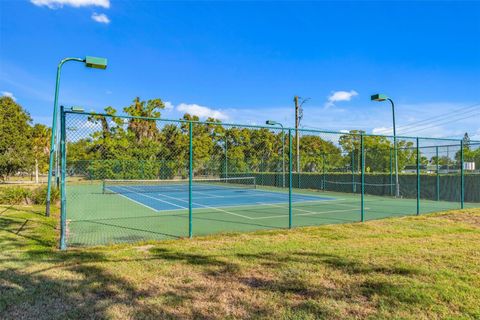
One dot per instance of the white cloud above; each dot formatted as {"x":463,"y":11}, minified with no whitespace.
{"x":382,"y":131}
{"x":201,"y":111}
{"x":168,"y":105}
{"x":8,"y":94}
{"x":100,"y":18}
{"x":336,"y":96}
{"x":54,"y":4}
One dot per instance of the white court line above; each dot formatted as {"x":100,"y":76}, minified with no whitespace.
{"x":236,"y":214}
{"x":137,"y":202}
{"x":308,"y":213}
{"x":205,"y":206}
{"x":144,"y":195}
{"x":210,"y":196}
{"x":295,"y":197}
{"x":257,"y":203}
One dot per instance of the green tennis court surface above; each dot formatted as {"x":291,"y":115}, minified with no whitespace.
{"x":96,"y":217}
{"x":128,"y":178}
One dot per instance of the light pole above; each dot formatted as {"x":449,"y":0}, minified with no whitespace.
{"x":91,"y":62}
{"x":273,"y":123}
{"x":383,"y":97}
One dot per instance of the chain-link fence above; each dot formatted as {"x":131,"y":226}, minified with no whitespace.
{"x":127,"y":179}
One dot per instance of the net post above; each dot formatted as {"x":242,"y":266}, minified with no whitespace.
{"x":418,"y":177}
{"x":362,"y":174}
{"x":63,"y":200}
{"x":290,"y":158}
{"x":438,"y":174}
{"x":462,"y":177}
{"x":190,"y":175}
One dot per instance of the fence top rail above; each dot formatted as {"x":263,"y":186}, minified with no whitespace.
{"x":253,"y":126}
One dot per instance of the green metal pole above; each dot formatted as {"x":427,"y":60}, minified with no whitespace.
{"x":397,"y":185}
{"x":290,"y":160}
{"x":391,"y":173}
{"x":362,"y":174}
{"x":354,"y":187}
{"x":63,"y":201}
{"x":226,"y":156}
{"x":418,"y":177}
{"x":324,"y":172}
{"x":190,"y":176}
{"x":283,"y":156}
{"x":438,"y":174}
{"x":462,"y":177}
{"x":53,"y":138}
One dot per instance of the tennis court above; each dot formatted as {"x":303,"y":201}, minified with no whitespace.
{"x":187,"y":178}
{"x":134,"y":210}
{"x":208,"y":193}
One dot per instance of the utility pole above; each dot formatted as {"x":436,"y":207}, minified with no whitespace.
{"x":298,"y":117}
{"x":297,"y":136}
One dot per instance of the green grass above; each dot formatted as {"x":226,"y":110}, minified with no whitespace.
{"x":425,"y":267}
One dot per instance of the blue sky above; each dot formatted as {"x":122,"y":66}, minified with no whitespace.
{"x":244,"y":61}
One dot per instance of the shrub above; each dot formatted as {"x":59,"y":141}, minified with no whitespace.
{"x":39,"y":195}
{"x":14,"y":195}
{"x":22,"y":195}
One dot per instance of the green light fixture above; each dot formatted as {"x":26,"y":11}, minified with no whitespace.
{"x":379,"y":97}
{"x":90,"y":62}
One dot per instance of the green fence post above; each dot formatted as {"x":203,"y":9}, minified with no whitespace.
{"x":354,"y":189}
{"x":391,"y":173}
{"x":190,"y":176}
{"x":362,"y":156}
{"x":438,"y":174}
{"x":324,"y":173}
{"x":462,"y":183}
{"x":418,"y":177}
{"x":262,"y":170}
{"x":290,"y":160}
{"x":63,"y":199}
{"x":226,"y":156}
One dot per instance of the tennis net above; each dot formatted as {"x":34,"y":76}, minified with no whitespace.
{"x":119,"y":186}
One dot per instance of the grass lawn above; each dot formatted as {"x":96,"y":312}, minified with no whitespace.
{"x":425,"y":267}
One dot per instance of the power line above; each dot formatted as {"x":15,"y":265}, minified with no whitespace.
{"x":440,"y":117}
{"x":433,"y":119}
{"x":439,"y":124}
{"x":442,"y":121}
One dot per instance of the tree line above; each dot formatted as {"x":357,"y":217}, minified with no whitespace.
{"x":118,"y":147}
{"x":24,"y":147}
{"x":104,"y":145}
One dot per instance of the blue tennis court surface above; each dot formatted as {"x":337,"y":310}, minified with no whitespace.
{"x":176,"y":197}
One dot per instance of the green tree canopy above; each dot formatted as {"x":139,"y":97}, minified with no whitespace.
{"x":15,"y":138}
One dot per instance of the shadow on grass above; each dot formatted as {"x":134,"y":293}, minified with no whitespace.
{"x":80,"y":290}
{"x":86,"y":286}
{"x":26,"y":229}
{"x":22,"y":209}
